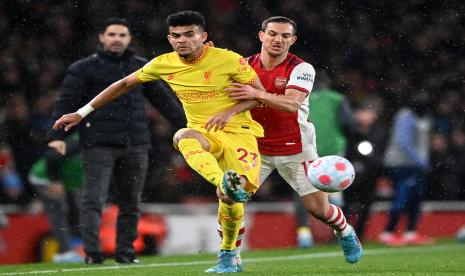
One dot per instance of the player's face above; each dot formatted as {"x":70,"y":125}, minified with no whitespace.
{"x":277,"y":38}
{"x":115,"y":39}
{"x":187,"y":41}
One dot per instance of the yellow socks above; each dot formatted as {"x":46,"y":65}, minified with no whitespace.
{"x":201,"y":161}
{"x":231,"y":218}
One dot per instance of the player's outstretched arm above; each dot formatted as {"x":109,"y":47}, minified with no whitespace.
{"x":110,"y":93}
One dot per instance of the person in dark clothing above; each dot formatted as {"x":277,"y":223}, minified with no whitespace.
{"x":365,"y":150}
{"x":115,"y":139}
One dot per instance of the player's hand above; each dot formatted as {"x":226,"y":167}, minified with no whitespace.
{"x":218,"y":121}
{"x":239,"y":91}
{"x":58,"y":145}
{"x":55,"y":190}
{"x":67,"y":121}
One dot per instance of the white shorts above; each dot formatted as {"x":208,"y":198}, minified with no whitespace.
{"x":292,"y":168}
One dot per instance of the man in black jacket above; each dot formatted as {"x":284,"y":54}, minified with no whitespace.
{"x":115,"y":139}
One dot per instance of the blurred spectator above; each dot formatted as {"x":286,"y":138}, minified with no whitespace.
{"x":443,"y":116}
{"x":442,"y":182}
{"x":40,"y":116}
{"x":56,"y":179}
{"x":25,"y":148}
{"x":457,"y":148}
{"x":365,"y":151}
{"x":11,"y":184}
{"x":407,"y":158}
{"x":332,"y":115}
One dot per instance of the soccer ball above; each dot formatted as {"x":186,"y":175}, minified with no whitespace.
{"x":331,"y":173}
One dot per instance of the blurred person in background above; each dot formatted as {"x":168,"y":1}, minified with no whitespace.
{"x":289,"y":142}
{"x":365,"y":151}
{"x":25,"y":146}
{"x":457,"y":149}
{"x":115,"y":139}
{"x":334,"y":121}
{"x":57,"y":179}
{"x":407,"y":159}
{"x":442,"y":180}
{"x":11,"y":184}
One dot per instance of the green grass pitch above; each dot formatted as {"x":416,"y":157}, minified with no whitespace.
{"x":445,"y":258}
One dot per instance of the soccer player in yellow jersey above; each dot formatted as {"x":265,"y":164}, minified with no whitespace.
{"x":220,"y":139}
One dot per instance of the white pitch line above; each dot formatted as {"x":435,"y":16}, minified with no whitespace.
{"x":249,"y":260}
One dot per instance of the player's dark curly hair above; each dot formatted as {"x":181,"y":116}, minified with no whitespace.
{"x":185,"y":18}
{"x":114,"y":21}
{"x":279,"y":19}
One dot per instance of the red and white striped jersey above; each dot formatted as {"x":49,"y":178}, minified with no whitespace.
{"x":285,"y":133}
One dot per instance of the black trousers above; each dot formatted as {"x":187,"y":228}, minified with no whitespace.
{"x":128,"y":167}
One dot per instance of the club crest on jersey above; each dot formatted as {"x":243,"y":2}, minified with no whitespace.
{"x":207,"y":77}
{"x":280,"y":82}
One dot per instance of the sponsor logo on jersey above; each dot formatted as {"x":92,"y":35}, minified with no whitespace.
{"x":280,"y":82}
{"x":189,"y":96}
{"x":242,"y":61}
{"x":305,"y":77}
{"x":170,"y":77}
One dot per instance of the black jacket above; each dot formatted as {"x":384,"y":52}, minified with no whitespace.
{"x":123,"y":121}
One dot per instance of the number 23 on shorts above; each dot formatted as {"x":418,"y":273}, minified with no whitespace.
{"x":249,"y":158}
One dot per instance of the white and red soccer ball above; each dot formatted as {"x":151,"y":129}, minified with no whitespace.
{"x":331,"y":173}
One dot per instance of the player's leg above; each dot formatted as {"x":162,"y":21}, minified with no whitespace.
{"x":130,"y":174}
{"x":55,"y":206}
{"x":98,"y":166}
{"x":238,"y":241}
{"x":293,"y":170}
{"x":411,"y":236}
{"x":195,"y":148}
{"x":401,"y":179}
{"x":318,"y":205}
{"x":266,"y":169}
{"x":241,"y":156}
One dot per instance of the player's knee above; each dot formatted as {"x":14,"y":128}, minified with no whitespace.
{"x":178,"y":135}
{"x":183,"y":133}
{"x":186,"y":133}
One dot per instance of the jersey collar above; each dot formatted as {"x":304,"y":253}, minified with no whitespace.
{"x":197,"y":60}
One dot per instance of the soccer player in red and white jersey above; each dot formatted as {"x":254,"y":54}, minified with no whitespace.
{"x":289,"y":142}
